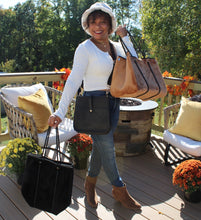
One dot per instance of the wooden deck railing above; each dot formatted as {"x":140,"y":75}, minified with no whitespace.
{"x":27,"y":78}
{"x":48,"y":77}
{"x":171,"y":99}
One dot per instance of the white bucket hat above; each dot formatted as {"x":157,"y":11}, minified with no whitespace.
{"x":98,"y":6}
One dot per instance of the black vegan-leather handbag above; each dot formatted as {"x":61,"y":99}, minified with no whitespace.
{"x":47,"y":184}
{"x":92,"y":114}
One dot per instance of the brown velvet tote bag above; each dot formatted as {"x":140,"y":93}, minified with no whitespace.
{"x":138,"y":78}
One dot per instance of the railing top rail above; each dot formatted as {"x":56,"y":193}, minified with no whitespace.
{"x":30,"y":73}
{"x":193,"y":84}
{"x":180,"y":80}
{"x":30,"y":77}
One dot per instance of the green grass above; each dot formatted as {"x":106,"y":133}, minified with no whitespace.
{"x":156,"y":119}
{"x":3,"y":129}
{"x":3,"y":143}
{"x":158,"y":133}
{"x":3,"y":123}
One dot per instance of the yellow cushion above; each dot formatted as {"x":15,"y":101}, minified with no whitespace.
{"x":188,"y":122}
{"x":37,"y":105}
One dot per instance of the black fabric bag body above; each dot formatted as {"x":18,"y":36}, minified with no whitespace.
{"x":92,"y":114}
{"x":47,"y":184}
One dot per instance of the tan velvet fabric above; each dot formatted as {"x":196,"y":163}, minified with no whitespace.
{"x":139,"y":78}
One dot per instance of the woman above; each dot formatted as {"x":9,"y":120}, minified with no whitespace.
{"x":93,"y":63}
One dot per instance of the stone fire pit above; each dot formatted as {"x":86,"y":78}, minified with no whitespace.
{"x":134,"y":127}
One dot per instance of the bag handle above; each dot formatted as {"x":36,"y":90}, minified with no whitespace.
{"x":136,"y":46}
{"x":151,"y":70}
{"x":57,"y":149}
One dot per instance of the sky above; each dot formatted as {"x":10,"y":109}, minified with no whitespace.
{"x":10,"y":3}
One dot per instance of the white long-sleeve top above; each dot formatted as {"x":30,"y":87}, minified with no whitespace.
{"x":92,"y":66}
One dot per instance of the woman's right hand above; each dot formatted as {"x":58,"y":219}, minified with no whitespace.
{"x":54,"y":121}
{"x":121,"y":31}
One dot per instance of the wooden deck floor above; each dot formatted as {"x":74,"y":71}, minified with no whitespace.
{"x":146,"y":177}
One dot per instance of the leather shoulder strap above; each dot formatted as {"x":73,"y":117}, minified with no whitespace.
{"x":114,"y":56}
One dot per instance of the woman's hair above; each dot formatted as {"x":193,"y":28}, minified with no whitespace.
{"x":98,"y":13}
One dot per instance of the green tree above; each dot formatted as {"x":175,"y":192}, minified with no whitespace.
{"x":172,"y":31}
{"x":7,"y":35}
{"x":25,"y":36}
{"x":43,"y":34}
{"x":45,"y":24}
{"x":59,"y":28}
{"x":73,"y":33}
{"x":8,"y":67}
{"x":126,"y":11}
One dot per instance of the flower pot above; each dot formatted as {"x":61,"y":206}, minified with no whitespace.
{"x":81,"y":164}
{"x":194,"y":197}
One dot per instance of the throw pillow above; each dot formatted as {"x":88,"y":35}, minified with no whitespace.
{"x":12,"y":93}
{"x":188,"y":122}
{"x":37,"y":105}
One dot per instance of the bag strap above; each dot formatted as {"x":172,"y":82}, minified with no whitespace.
{"x":57,"y":149}
{"x":46,"y":141}
{"x":114,"y":56}
{"x":151,"y":70}
{"x":136,"y":46}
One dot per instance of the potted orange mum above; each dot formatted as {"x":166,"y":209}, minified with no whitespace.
{"x":79,"y":148}
{"x":187,"y":176}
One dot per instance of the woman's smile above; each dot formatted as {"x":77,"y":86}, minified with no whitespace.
{"x":99,"y":28}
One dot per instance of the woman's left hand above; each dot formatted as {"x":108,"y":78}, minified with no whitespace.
{"x":121,"y":31}
{"x":54,"y":121}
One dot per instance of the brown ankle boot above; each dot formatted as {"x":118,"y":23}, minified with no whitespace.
{"x":90,"y":183}
{"x":121,"y":194}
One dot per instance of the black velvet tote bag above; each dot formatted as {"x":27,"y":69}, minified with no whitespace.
{"x":47,"y":184}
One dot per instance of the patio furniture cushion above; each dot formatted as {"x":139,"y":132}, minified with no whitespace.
{"x":66,"y":131}
{"x":22,"y":124}
{"x":37,"y":105}
{"x":185,"y":144}
{"x":188,"y":122}
{"x":12,"y":93}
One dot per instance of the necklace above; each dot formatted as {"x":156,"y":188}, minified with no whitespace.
{"x":104,"y":44}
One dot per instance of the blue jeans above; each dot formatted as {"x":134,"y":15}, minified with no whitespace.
{"x":103,"y":151}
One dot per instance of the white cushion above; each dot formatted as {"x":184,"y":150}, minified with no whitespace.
{"x":185,"y":144}
{"x":66,"y":131}
{"x":12,"y":93}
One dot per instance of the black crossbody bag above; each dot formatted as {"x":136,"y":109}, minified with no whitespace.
{"x":92,"y":113}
